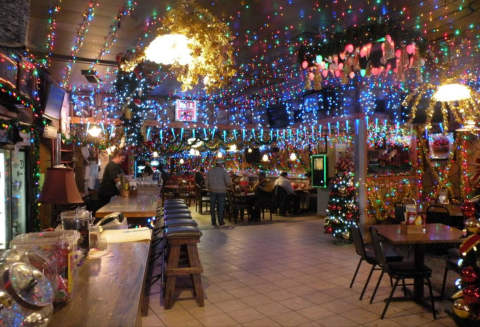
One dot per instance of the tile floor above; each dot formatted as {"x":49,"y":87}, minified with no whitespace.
{"x":285,"y":273}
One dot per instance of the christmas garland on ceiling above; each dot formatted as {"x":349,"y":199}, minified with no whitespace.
{"x":211,"y":47}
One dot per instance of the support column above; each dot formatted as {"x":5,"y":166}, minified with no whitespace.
{"x":361,"y":167}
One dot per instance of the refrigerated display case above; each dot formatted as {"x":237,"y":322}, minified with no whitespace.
{"x":15,"y":193}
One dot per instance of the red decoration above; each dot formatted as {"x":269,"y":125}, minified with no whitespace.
{"x":468,"y":209}
{"x":137,"y":101}
{"x":469,"y":275}
{"x":471,"y":294}
{"x":328,"y":230}
{"x":349,"y":216}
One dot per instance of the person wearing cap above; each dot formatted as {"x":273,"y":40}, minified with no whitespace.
{"x":217,"y":182}
{"x":110,"y":185}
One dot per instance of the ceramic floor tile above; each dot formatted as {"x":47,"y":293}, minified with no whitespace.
{"x":297,"y":303}
{"x":152,"y":321}
{"x":246,"y":315}
{"x":337,"y":321}
{"x":285,"y":273}
{"x":273,"y":309}
{"x":232,"y":305}
{"x":316,"y":312}
{"x":290,"y":319}
{"x":221,"y":320}
{"x":266,"y":322}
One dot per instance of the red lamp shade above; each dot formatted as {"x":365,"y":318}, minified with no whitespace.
{"x":60,"y":187}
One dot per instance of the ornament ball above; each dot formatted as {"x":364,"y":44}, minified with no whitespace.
{"x":461,"y":309}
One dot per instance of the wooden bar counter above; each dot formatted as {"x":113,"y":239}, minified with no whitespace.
{"x":143,"y":205}
{"x":107,"y":292}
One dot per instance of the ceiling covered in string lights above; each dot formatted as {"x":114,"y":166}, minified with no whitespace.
{"x":267,"y":36}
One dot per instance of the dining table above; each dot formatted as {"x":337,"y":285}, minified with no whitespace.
{"x":432,"y":233}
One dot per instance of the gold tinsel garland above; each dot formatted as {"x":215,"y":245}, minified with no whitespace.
{"x":212,"y":50}
{"x":382,"y":197}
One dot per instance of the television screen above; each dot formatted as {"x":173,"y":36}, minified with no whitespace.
{"x":186,"y":110}
{"x":278,"y":116}
{"x":253,"y":156}
{"x":53,"y":106}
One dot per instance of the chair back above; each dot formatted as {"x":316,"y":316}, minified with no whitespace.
{"x":400,"y":210}
{"x":280,"y":197}
{"x":358,"y":241}
{"x":378,"y":248}
{"x":438,"y":215}
{"x":198,"y":192}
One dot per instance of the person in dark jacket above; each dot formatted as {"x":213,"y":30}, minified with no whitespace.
{"x":217,"y":182}
{"x":199,"y":177}
{"x":147,"y":171}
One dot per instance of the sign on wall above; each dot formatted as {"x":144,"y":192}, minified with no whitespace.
{"x":319,"y":170}
{"x":185,"y":110}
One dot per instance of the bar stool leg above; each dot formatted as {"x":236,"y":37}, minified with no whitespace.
{"x":196,"y":278}
{"x":173,"y":259}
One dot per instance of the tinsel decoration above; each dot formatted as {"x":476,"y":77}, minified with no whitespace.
{"x":212,"y":49}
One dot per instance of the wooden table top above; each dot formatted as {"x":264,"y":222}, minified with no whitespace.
{"x":144,"y":205}
{"x":434,"y":233}
{"x":107,"y":291}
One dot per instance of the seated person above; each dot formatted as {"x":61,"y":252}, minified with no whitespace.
{"x":147,"y":171}
{"x":283,"y":182}
{"x":263,"y":190}
{"x":200,"y":177}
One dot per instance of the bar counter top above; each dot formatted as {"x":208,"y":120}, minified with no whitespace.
{"x":107,"y":292}
{"x":143,"y":205}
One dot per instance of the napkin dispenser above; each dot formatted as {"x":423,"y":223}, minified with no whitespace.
{"x":114,"y":220}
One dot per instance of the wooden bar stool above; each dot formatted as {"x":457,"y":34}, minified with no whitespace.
{"x":178,"y":237}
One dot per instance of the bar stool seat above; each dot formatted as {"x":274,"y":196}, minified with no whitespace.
{"x":175,"y":211}
{"x":178,"y":216}
{"x":180,"y":222}
{"x":178,"y":237}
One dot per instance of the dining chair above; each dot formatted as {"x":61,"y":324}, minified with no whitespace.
{"x":201,"y":200}
{"x":399,"y":271}
{"x":367,"y":254}
{"x":400,"y":210}
{"x":238,"y":206}
{"x":451,"y":263}
{"x":438,"y":215}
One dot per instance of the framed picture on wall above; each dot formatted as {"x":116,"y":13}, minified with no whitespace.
{"x":440,"y":145}
{"x":322,"y":146}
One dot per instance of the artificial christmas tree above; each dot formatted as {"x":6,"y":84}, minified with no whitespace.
{"x":466,"y":306}
{"x":342,"y":209}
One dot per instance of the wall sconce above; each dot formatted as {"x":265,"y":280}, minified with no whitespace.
{"x":293,"y":156}
{"x":265,"y":158}
{"x":182,"y":161}
{"x":219,"y":155}
{"x":155,"y":154}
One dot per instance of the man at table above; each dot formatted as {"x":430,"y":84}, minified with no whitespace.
{"x":285,"y":184}
{"x":217,"y":182}
{"x":199,"y":177}
{"x":147,"y":171}
{"x":263,"y":191}
{"x":110,"y":185}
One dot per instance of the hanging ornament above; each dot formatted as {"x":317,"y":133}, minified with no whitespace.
{"x":469,"y":275}
{"x":342,"y":189}
{"x":346,"y":235}
{"x":328,"y":230}
{"x":471,"y":294}
{"x":461,"y":309}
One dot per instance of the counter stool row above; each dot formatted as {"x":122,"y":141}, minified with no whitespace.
{"x":177,"y":235}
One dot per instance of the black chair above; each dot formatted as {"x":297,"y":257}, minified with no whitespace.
{"x":438,"y":215}
{"x":281,"y":201}
{"x":400,"y":210}
{"x":201,"y":199}
{"x":238,"y":207}
{"x":367,"y":254}
{"x":451,"y":263}
{"x":398,"y":271}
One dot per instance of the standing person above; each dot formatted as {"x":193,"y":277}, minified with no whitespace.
{"x":217,"y":182}
{"x":199,"y":177}
{"x":263,"y":191}
{"x":147,"y":171}
{"x":110,"y":185}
